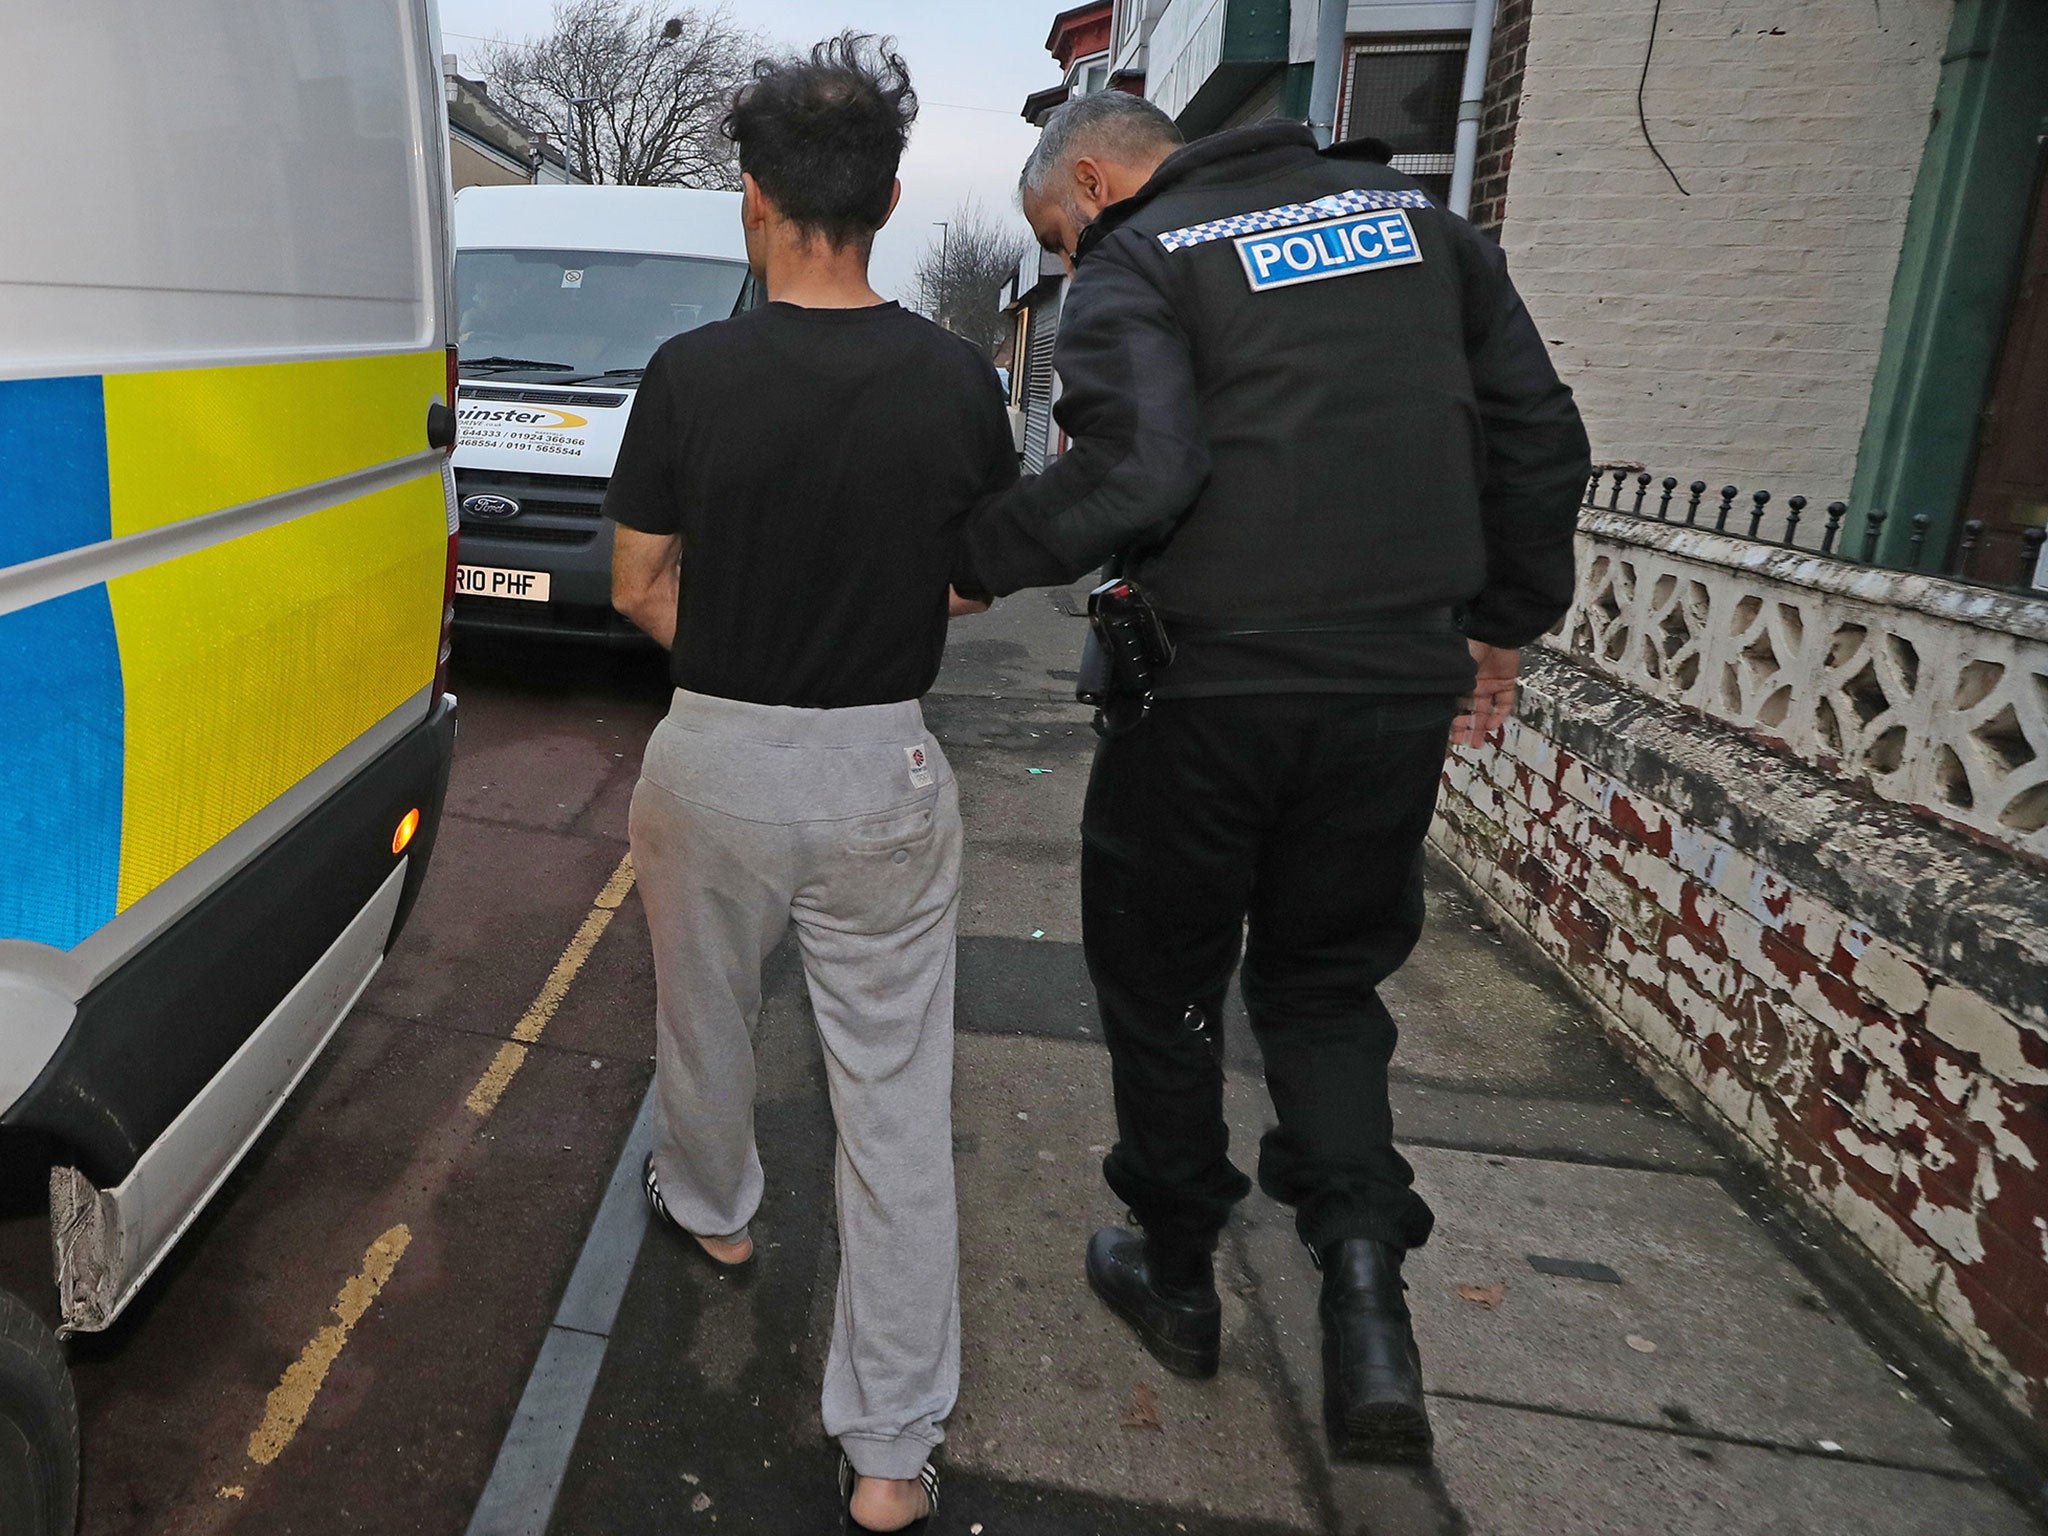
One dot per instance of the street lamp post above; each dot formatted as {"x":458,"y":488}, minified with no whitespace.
{"x":945,"y":270}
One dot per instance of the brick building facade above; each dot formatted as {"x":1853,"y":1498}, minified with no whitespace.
{"x":1732,"y":329}
{"x":1502,"y":115}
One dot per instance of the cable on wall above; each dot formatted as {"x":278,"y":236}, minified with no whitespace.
{"x":1642,"y":118}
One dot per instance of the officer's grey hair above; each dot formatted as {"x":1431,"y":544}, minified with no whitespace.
{"x":1110,"y":125}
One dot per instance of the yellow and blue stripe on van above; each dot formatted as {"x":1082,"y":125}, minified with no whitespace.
{"x":145,"y":717}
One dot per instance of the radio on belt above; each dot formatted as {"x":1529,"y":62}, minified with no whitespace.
{"x":1128,"y":646}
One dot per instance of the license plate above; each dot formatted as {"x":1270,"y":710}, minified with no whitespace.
{"x":490,"y":581}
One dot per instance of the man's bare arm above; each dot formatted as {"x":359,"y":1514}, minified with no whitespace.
{"x":646,"y":576}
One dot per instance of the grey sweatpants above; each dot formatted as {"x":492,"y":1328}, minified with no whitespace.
{"x":846,"y":821}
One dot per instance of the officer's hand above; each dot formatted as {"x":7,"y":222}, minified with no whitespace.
{"x":1492,"y":699}
{"x":958,"y":607}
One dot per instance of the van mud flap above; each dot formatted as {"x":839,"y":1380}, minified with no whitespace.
{"x":85,"y":1234}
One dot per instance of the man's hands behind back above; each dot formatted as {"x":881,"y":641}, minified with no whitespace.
{"x":1492,"y":699}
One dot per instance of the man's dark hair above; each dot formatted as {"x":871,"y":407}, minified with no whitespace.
{"x":823,"y":133}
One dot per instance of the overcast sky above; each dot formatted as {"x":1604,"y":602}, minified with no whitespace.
{"x":973,"y":64}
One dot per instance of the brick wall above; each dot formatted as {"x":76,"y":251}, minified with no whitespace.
{"x":1732,"y":334}
{"x":1502,"y":117}
{"x":1852,"y":992}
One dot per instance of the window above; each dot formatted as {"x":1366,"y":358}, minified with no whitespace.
{"x":1134,"y":22}
{"x":1089,"y":75}
{"x":586,"y":313}
{"x":1406,"y":92}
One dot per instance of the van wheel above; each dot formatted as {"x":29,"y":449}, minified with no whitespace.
{"x":38,"y":1428}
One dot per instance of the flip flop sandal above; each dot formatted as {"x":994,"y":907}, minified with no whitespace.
{"x":847,"y":1482}
{"x":650,"y":1188}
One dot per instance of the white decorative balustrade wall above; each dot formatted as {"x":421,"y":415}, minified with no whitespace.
{"x":1929,"y":693}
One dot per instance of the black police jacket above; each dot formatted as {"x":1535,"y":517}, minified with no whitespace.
{"x":1310,"y":412}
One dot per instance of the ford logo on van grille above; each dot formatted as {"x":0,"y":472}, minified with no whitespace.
{"x":491,"y":507}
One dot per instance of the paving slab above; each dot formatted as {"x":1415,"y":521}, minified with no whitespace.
{"x":1020,"y":887}
{"x":1742,"y":1348}
{"x":1004,"y":705}
{"x":1559,"y":1129}
{"x":1026,"y":987}
{"x":1475,"y":1016}
{"x":1026,"y":647}
{"x":1515,"y":1473}
{"x":1000,"y":795}
{"x":1051,"y":1377}
{"x":1022,"y":862}
{"x":1509,"y":1468}
{"x":1742,"y":1345}
{"x":1468,"y":1022}
{"x":1041,"y":987}
{"x":707,"y":1390}
{"x":1026,"y":725}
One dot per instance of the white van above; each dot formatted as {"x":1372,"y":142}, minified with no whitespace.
{"x":562,"y":296}
{"x":227,"y":546}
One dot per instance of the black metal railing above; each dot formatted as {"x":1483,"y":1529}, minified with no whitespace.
{"x":2003,"y":557}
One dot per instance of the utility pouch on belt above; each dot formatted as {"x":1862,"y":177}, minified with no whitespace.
{"x":1128,"y":647}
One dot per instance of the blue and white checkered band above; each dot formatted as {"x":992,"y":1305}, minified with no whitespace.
{"x":1289,"y":215}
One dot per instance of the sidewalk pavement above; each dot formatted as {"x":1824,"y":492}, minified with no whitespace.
{"x":1612,"y":1344}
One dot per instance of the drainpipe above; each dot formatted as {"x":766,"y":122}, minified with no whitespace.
{"x":1331,"y":22}
{"x":1471,"y":106}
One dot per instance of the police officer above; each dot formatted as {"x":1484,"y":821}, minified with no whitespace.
{"x":1314,"y":425}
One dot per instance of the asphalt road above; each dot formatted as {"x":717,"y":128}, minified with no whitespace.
{"x":237,"y":1394}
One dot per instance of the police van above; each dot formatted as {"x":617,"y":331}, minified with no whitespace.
{"x":227,"y":549}
{"x":562,"y":295}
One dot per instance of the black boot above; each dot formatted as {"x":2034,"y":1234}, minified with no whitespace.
{"x":1167,"y":1295}
{"x":1372,"y":1371}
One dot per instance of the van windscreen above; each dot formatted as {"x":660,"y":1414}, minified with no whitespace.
{"x":563,"y":314}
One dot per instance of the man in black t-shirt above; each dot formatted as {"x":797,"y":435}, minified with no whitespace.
{"x":788,"y":499}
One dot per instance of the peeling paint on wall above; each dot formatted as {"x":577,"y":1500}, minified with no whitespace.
{"x":1846,"y":1035}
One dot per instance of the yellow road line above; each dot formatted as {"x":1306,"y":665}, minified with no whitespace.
{"x":292,"y":1397}
{"x":490,"y":1088}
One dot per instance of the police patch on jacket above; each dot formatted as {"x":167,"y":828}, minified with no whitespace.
{"x":1303,"y":243}
{"x":1363,"y":243}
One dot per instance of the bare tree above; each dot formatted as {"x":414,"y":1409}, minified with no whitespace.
{"x":961,"y":274}
{"x":636,"y":89}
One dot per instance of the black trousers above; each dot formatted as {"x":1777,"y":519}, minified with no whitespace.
{"x":1288,"y":826}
